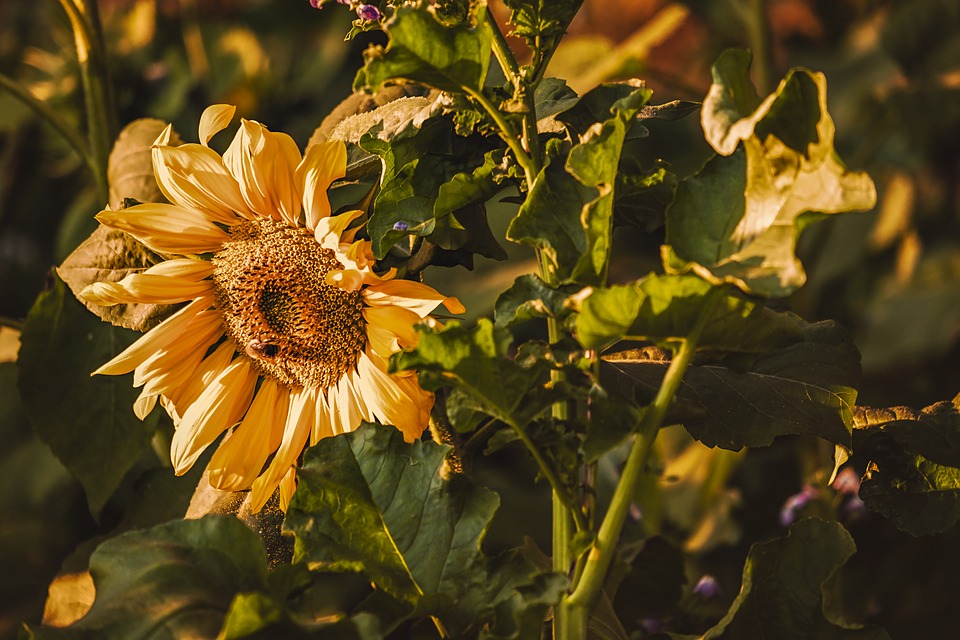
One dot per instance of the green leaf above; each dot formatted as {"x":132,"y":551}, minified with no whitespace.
{"x":541,"y":23}
{"x":367,"y":501}
{"x":475,"y":362}
{"x":180,"y":577}
{"x":738,"y":219}
{"x":662,"y":308}
{"x":912,"y":478}
{"x":464,"y":189}
{"x":530,"y":297}
{"x":808,"y":387}
{"x":87,"y":422}
{"x":568,"y":213}
{"x":109,"y":255}
{"x":423,"y":50}
{"x":130,"y":167}
{"x":788,"y":586}
{"x":642,"y":197}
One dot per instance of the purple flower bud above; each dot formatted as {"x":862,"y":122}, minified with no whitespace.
{"x":847,"y":481}
{"x":368,"y":12}
{"x":400,"y":226}
{"x":707,"y":587}
{"x":347,"y":2}
{"x":795,"y":504}
{"x":315,"y":3}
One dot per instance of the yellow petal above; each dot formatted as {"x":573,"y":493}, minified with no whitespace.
{"x":396,"y":322}
{"x":240,"y":458}
{"x":146,"y":288}
{"x":323,"y":163}
{"x":167,"y":228}
{"x":264,"y":164}
{"x":144,"y":404}
{"x":347,"y":408}
{"x":218,"y":408}
{"x":180,"y":399}
{"x":395,"y":401}
{"x":330,"y":228}
{"x":287,"y":486}
{"x":157,"y":339}
{"x":415,"y":296}
{"x":193,"y":176}
{"x":215,"y":119}
{"x":172,"y":366}
{"x":300,"y":418}
{"x":322,"y":427}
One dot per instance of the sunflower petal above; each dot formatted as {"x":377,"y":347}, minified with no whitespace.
{"x":193,"y":176}
{"x":323,"y":163}
{"x":300,"y":418}
{"x":415,"y":296}
{"x":218,"y":408}
{"x":180,"y":399}
{"x":240,"y":458}
{"x":264,"y":164}
{"x":167,"y":228}
{"x":215,"y":119}
{"x":397,"y":401}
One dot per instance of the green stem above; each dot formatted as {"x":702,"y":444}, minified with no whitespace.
{"x":51,"y":117}
{"x":578,"y":603}
{"x":101,"y":115}
{"x":758,"y":32}
{"x":507,"y":134}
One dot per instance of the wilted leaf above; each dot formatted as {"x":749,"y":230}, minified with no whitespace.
{"x":738,"y":219}
{"x":88,"y":422}
{"x":130,"y":167}
{"x":661,"y":308}
{"x":109,"y":255}
{"x":423,"y":50}
{"x":787,"y":589}
{"x":180,"y":577}
{"x":369,"y":502}
{"x":808,"y":387}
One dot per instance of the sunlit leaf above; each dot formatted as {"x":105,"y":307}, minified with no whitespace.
{"x":367,"y":501}
{"x":787,"y":591}
{"x":88,"y":422}
{"x":661,"y":308}
{"x":423,"y":50}
{"x":739,"y":218}
{"x":808,"y":387}
{"x":913,"y":477}
{"x":541,"y":23}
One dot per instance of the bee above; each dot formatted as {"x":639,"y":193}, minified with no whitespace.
{"x":262,"y":350}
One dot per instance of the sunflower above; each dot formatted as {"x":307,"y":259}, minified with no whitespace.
{"x":287,"y":329}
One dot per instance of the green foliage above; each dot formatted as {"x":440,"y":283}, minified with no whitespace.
{"x":531,"y":297}
{"x":79,"y":417}
{"x":370,"y":502}
{"x":808,"y":387}
{"x":738,"y":220}
{"x":423,"y":50}
{"x":913,"y":477}
{"x":788,"y":588}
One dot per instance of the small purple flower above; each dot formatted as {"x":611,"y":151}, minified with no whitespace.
{"x":707,"y":587}
{"x":847,"y":481}
{"x":368,"y":12}
{"x":795,"y":504}
{"x":400,"y":226}
{"x":315,"y":3}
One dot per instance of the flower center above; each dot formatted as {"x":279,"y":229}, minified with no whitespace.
{"x":270,"y":285}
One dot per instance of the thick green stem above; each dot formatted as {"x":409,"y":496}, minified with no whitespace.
{"x":98,"y":96}
{"x":578,"y":603}
{"x":51,"y":117}
{"x":507,"y":134}
{"x":758,"y":32}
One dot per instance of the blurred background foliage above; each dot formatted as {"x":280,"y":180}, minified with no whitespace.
{"x":891,"y":276}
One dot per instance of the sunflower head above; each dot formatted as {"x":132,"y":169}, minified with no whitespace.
{"x":286,"y":327}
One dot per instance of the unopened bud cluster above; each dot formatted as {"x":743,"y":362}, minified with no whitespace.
{"x":368,"y":12}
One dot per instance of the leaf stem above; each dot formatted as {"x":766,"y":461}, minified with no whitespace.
{"x":507,"y":134}
{"x":578,"y":602}
{"x":51,"y":117}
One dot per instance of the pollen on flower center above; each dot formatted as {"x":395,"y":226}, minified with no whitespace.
{"x":270,"y":285}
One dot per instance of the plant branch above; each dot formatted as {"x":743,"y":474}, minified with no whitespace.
{"x":51,"y":117}
{"x":602,"y":551}
{"x":507,"y":134}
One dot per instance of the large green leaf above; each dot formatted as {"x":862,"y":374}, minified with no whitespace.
{"x":541,"y":23}
{"x":423,"y":50}
{"x":788,"y":588}
{"x":531,"y":297}
{"x":87,"y":422}
{"x":568,"y":213}
{"x":808,"y":387}
{"x":367,"y":501}
{"x":739,"y":218}
{"x":176,"y":580}
{"x":661,"y":308}
{"x":475,"y":362}
{"x":913,"y":477}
